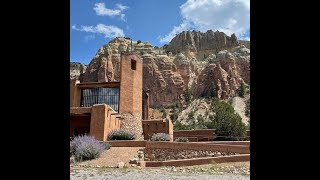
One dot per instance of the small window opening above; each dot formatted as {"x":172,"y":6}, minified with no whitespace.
{"x":133,"y":64}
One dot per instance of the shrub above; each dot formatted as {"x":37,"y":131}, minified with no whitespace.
{"x":106,"y":146}
{"x":86,"y":148}
{"x":201,"y":122}
{"x":180,"y":126}
{"x":121,"y":134}
{"x":175,"y":110}
{"x":242,"y":90}
{"x":188,"y":96}
{"x":227,"y":123}
{"x":164,"y":113}
{"x":160,"y":137}
{"x":248,"y":108}
{"x":182,"y":139}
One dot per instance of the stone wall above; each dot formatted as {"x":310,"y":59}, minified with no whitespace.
{"x":196,"y":161}
{"x":174,"y":154}
{"x":199,"y":134}
{"x":132,"y":123}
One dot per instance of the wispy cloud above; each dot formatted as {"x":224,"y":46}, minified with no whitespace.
{"x":122,"y":7}
{"x":89,"y":37}
{"x":108,"y":31}
{"x":229,"y":16}
{"x":176,"y":30}
{"x":102,"y":10}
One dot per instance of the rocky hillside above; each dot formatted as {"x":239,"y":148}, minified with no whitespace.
{"x":200,"y":45}
{"x":201,"y":63}
{"x":76,"y":69}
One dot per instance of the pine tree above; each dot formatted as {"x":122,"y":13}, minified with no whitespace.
{"x":242,"y":89}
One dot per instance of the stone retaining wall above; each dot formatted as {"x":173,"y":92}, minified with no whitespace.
{"x":174,"y":154}
{"x":196,"y":161}
{"x":132,"y":123}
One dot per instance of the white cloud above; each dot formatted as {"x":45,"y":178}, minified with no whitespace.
{"x":229,"y":16}
{"x":176,"y":30}
{"x":121,"y":7}
{"x":108,"y":31}
{"x":122,"y":17}
{"x":102,"y":10}
{"x":89,"y":37}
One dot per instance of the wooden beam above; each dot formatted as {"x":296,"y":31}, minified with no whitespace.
{"x":99,"y":84}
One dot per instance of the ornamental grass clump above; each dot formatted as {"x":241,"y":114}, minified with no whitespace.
{"x":121,"y":134}
{"x":160,"y":137}
{"x":86,"y":147}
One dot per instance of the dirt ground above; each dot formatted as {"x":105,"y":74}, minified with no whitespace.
{"x":223,"y":171}
{"x":113,"y":156}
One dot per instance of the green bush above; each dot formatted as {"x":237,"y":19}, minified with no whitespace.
{"x":121,"y":134}
{"x":182,"y":139}
{"x":180,"y":126}
{"x":175,"y":110}
{"x":160,"y":137}
{"x":188,"y":96}
{"x":242,"y":90}
{"x":248,"y":108}
{"x":164,"y":113}
{"x":228,"y":124}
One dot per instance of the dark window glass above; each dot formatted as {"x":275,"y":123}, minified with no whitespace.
{"x":133,"y":64}
{"x":108,"y":96}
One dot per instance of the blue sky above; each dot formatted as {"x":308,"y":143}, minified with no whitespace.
{"x":94,"y":23}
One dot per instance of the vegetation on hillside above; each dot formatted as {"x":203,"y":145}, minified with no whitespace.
{"x":226,"y":121}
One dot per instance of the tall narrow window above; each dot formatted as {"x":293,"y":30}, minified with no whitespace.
{"x":133,"y":64}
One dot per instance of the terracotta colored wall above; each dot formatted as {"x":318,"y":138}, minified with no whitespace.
{"x":130,"y":85}
{"x":75,"y":93}
{"x":243,"y":143}
{"x":103,"y":120}
{"x":201,"y":134}
{"x":196,"y":161}
{"x":100,"y":119}
{"x":198,"y":146}
{"x":127,"y":143}
{"x":151,"y":127}
{"x":79,"y":122}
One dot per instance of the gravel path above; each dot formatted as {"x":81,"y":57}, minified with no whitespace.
{"x":154,"y":174}
{"x":111,"y":158}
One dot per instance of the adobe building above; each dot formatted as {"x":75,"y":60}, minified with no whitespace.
{"x":96,"y":108}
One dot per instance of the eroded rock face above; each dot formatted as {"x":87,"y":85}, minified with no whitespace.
{"x":161,"y":79}
{"x":76,"y":69}
{"x":225,"y":74}
{"x":104,"y":67}
{"x":206,"y":60}
{"x":198,"y":44}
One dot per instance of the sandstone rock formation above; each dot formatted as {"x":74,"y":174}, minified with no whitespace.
{"x":192,"y":60}
{"x":225,"y":75}
{"x":76,"y":69}
{"x":161,"y":79}
{"x":198,"y":44}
